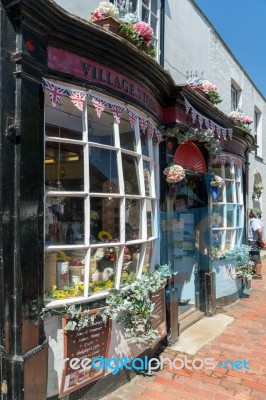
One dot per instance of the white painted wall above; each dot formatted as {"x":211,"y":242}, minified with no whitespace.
{"x":81,"y":8}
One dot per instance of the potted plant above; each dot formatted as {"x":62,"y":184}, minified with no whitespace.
{"x":258,"y":187}
{"x":244,"y":266}
{"x":205,"y":88}
{"x":106,"y":16}
{"x":241,"y":120}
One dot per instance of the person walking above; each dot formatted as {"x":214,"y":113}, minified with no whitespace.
{"x":256,"y":233}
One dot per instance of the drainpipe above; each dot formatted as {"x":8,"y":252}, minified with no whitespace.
{"x":162,"y":33}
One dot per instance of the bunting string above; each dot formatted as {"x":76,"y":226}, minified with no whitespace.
{"x":78,"y":98}
{"x":207,"y":122}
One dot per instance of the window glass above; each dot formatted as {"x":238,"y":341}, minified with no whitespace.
{"x":64,"y":120}
{"x":64,"y":166}
{"x":130,"y":171}
{"x":64,"y":273}
{"x":133,"y":219}
{"x":100,"y":130}
{"x":99,"y":217}
{"x":103,"y":266}
{"x":227,"y":209}
{"x":64,"y":220}
{"x":104,"y":219}
{"x":127,"y":134}
{"x":103,"y":171}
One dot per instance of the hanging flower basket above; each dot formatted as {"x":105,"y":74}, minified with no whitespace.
{"x":215,"y":184}
{"x":174,"y":173}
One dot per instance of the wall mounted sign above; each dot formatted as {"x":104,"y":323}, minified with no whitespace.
{"x":91,"y":71}
{"x":81,"y":345}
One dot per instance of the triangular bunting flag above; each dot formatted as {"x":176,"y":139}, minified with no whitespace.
{"x":116,"y":111}
{"x":77,"y":98}
{"x":99,"y":104}
{"x":55,"y":92}
{"x":132,"y":117}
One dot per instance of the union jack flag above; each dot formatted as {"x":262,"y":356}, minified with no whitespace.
{"x":55,"y":92}
{"x":194,"y":115}
{"x":230,"y":133}
{"x":207,"y":122}
{"x":132,"y":117}
{"x":116,"y":111}
{"x":158,"y":135}
{"x":187,"y":105}
{"x":77,"y":98}
{"x":143,"y":123}
{"x":99,"y":105}
{"x":150,"y":130}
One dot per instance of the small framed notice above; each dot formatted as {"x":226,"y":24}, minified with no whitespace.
{"x":81,"y":347}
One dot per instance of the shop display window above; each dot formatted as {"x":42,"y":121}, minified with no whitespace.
{"x":100,"y":200}
{"x":228,"y":208}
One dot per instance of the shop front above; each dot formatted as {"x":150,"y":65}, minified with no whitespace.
{"x":80,"y":164}
{"x":87,"y":208}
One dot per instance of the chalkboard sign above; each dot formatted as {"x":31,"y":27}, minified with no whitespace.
{"x":81,"y":347}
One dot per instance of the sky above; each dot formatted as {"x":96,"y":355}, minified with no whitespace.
{"x":242,"y":26}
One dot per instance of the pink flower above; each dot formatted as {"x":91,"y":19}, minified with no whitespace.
{"x":144,"y":30}
{"x":174,"y":173}
{"x":246,"y":120}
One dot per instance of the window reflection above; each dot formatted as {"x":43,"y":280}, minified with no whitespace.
{"x":130,"y":171}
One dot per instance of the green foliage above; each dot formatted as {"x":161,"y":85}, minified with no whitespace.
{"x":206,"y":136}
{"x":214,"y":97}
{"x":131,"y":307}
{"x":131,"y":33}
{"x":244,"y":266}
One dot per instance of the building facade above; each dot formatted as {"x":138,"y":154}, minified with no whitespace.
{"x":90,"y":127}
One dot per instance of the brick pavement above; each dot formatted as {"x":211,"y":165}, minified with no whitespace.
{"x":245,"y":338}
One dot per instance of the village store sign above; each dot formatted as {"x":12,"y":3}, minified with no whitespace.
{"x":69,"y":63}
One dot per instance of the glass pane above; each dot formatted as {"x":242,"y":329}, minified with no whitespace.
{"x":133,"y":219}
{"x":229,"y":191}
{"x":227,"y":169}
{"x":103,"y":171}
{"x":147,"y":178}
{"x":100,"y":130}
{"x":230,"y":216}
{"x":65,"y":120}
{"x":154,"y":6}
{"x":105,"y":220}
{"x":144,"y":144}
{"x":145,"y":15}
{"x":217,"y":216}
{"x":228,"y":239}
{"x":147,"y":257}
{"x":64,"y":220}
{"x":154,"y":21}
{"x":126,"y":6}
{"x":127,"y":134}
{"x":149,"y":219}
{"x":64,"y":164}
{"x":239,"y":221}
{"x":131,"y":261}
{"x":103,"y":264}
{"x":64,"y":274}
{"x":130,"y":171}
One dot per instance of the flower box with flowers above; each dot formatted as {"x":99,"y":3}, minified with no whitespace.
{"x":241,"y":120}
{"x":206,"y":89}
{"x":128,"y":27}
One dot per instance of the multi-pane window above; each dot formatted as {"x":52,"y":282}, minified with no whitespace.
{"x":101,"y":201}
{"x":258,"y":132}
{"x":147,"y":10}
{"x":234,"y":99}
{"x":227,"y":208}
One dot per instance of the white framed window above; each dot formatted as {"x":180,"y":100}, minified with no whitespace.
{"x":258,"y":131}
{"x":101,"y":201}
{"x":147,"y":10}
{"x":228,"y":208}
